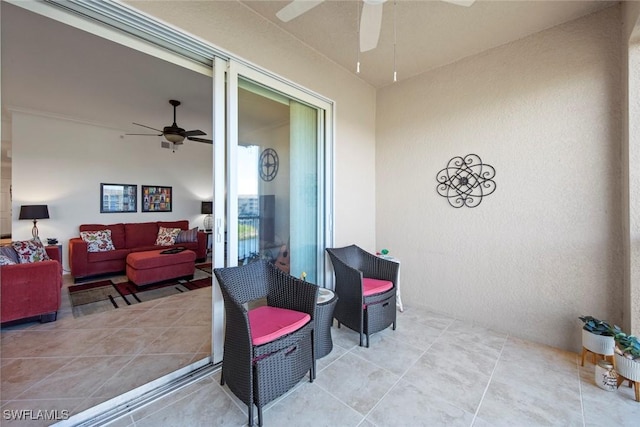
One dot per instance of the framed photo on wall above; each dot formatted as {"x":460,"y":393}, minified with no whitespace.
{"x":156,"y":198}
{"x":118,"y":198}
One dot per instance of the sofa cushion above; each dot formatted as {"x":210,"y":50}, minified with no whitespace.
{"x":10,"y":253}
{"x":182,"y":224}
{"x":5,"y":260}
{"x":117,"y":232}
{"x":187,"y":236}
{"x":30,"y":250}
{"x":141,"y":234}
{"x":98,"y":241}
{"x":118,"y":254}
{"x":167,"y":236}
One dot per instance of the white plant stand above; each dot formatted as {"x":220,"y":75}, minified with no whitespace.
{"x":597,"y":345}
{"x":628,"y":370}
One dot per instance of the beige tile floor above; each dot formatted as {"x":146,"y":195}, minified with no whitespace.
{"x":75,"y":363}
{"x":432,"y":371}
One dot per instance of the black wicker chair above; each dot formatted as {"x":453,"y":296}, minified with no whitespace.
{"x":359,"y":308}
{"x":259,"y":373}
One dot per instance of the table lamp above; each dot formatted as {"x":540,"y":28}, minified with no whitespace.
{"x":207,"y":209}
{"x":34,"y":212}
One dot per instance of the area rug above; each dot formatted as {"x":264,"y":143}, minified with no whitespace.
{"x":106,"y":295}
{"x":205,"y":267}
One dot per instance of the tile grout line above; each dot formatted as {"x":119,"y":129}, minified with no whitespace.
{"x":400,"y":377}
{"x":484,"y":393}
{"x":584,"y":420}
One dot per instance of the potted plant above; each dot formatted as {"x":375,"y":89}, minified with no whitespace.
{"x":627,"y":358}
{"x":597,"y":338}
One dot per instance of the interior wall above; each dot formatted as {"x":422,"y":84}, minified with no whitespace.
{"x":62,"y":162}
{"x":234,"y":28}
{"x":5,"y":199}
{"x":546,"y":247}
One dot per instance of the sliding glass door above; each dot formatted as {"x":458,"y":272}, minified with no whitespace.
{"x":277,"y":168}
{"x":271,"y":175}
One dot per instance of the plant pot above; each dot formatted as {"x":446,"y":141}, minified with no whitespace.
{"x":628,"y":368}
{"x":598,"y":344}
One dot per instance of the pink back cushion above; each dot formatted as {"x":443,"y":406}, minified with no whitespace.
{"x":375,"y":286}
{"x":117,"y":232}
{"x":270,"y":323}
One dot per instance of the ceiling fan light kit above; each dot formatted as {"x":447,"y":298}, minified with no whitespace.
{"x":174,"y":133}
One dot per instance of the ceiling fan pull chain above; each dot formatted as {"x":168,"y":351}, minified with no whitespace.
{"x":358,"y":43}
{"x":395,"y":74}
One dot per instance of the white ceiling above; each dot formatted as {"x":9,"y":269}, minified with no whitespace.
{"x":430,"y":33}
{"x":56,"y":69}
{"x":50,"y":67}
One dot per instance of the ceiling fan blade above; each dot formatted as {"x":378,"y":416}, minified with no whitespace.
{"x":148,"y":127}
{"x":370,"y":24}
{"x":144,"y":134}
{"x":194,"y":133}
{"x":296,"y":8}
{"x":208,"y":141}
{"x":465,"y":3}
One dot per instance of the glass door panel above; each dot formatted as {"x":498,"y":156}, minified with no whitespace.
{"x":279,"y":190}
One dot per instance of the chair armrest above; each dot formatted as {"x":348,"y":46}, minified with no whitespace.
{"x":348,"y":282}
{"x":286,"y":291}
{"x":202,"y":245}
{"x":53,"y":252}
{"x":78,"y":257}
{"x":379,"y":268}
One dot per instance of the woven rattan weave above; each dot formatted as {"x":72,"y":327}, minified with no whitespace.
{"x":364,"y":314}
{"x":259,"y":374}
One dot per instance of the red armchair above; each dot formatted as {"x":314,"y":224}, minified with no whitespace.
{"x":31,"y":290}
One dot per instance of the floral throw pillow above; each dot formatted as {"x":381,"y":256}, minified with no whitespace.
{"x":5,"y":260}
{"x":167,"y":236}
{"x":30,"y":250}
{"x":187,"y":236}
{"x":98,"y":241}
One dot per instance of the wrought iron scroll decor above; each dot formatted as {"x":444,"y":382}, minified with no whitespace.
{"x":465,"y":181}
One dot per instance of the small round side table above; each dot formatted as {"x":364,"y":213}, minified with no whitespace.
{"x":327,"y":300}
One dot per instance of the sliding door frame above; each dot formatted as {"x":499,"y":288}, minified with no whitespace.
{"x":324,"y":194}
{"x":127,"y":26}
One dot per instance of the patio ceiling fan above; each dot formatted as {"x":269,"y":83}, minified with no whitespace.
{"x":174,"y":133}
{"x":370,"y":18}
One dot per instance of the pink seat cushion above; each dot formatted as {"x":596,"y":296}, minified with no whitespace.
{"x":270,"y":323}
{"x":375,"y":286}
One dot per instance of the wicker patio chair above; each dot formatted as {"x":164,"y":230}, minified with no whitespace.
{"x":262,"y":362}
{"x":366,"y":286}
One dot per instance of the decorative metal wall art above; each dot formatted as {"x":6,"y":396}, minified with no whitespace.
{"x":269,"y":164}
{"x":465,"y":181}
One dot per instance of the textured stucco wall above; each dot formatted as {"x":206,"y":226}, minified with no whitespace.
{"x":631,"y":160}
{"x":546,"y":247}
{"x":234,"y":28}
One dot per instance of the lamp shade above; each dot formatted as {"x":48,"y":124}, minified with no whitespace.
{"x":34,"y":212}
{"x":207,"y":208}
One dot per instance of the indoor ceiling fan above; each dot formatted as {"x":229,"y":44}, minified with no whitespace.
{"x":174,"y":133}
{"x":370,"y":18}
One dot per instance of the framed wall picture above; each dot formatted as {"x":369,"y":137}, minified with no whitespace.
{"x":156,"y":198}
{"x":118,"y":198}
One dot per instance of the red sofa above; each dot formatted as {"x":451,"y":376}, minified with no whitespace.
{"x":32,"y":289}
{"x":127,"y":238}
